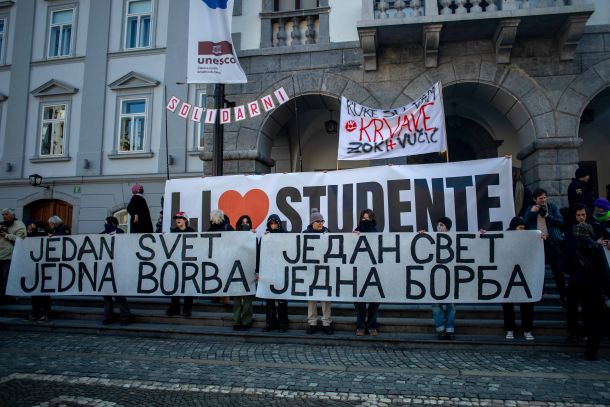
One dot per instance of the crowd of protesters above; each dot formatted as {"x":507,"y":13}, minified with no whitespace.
{"x":573,"y":247}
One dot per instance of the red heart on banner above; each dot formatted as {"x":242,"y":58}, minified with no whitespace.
{"x":254,"y":204}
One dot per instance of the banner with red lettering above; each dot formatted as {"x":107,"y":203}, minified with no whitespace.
{"x":416,"y":128}
{"x":211,"y":57}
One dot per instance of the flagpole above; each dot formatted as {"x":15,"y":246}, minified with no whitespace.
{"x":166,"y":137}
{"x":217,"y":157}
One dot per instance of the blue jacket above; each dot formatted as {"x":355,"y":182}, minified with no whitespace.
{"x":554,"y":221}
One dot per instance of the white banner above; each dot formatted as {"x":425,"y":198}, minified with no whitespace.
{"x":416,"y":128}
{"x":211,"y":57}
{"x":405,"y":198}
{"x":403,"y":268}
{"x":189,"y":264}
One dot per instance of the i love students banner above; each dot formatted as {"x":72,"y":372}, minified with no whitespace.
{"x":474,"y":194}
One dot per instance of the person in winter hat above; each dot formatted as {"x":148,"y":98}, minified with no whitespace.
{"x":316,"y":225}
{"x":182,"y":226}
{"x":242,"y":305}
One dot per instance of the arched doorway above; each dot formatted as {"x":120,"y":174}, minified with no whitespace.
{"x":43,"y":209}
{"x":593,"y":130}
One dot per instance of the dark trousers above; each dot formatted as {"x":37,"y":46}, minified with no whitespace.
{"x":188,"y":304}
{"x":366,"y":315}
{"x":527,"y":316}
{"x":5,"y":266}
{"x":554,"y":258}
{"x":276,"y":316}
{"x":592,"y":314}
{"x":41,"y":306}
{"x":121,"y":301}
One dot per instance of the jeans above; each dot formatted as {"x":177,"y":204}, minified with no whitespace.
{"x":366,"y":318}
{"x":527,"y":316}
{"x":444,"y":317}
{"x":312,"y":313}
{"x":276,"y":316}
{"x":242,"y":310}
{"x":121,"y":301}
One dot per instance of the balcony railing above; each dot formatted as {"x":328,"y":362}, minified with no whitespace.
{"x":416,"y":8}
{"x":294,"y":27}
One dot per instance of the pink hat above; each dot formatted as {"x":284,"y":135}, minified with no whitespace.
{"x":181,"y":215}
{"x":137,"y":189}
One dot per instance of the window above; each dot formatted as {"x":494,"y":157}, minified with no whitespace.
{"x":132,"y":126}
{"x":201,"y":126}
{"x":53,"y":131}
{"x":2,"y":28}
{"x":138,"y":24}
{"x":60,"y":33}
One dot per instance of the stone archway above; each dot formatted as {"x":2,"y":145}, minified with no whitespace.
{"x":314,"y":94}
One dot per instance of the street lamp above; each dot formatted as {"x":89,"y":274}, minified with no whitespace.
{"x":36,"y":181}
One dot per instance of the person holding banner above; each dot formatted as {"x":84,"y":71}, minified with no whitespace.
{"x":316,"y":225}
{"x":366,"y":312}
{"x":111,"y":227}
{"x":10,"y":229}
{"x":242,"y":306}
{"x":526,"y":308}
{"x":443,"y":314}
{"x":275,"y":317}
{"x":182,"y":226}
{"x":545,"y":217}
{"x":219,"y":222}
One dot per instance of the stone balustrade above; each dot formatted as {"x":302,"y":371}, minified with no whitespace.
{"x":295,"y":27}
{"x":399,"y":8}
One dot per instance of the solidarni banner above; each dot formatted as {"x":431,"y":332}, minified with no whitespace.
{"x":405,"y":198}
{"x":403,"y":268}
{"x":211,"y":57}
{"x":416,"y":128}
{"x":189,"y":264}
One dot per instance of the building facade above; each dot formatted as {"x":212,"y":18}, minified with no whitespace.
{"x":83,"y":86}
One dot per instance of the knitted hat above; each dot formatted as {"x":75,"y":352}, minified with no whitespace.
{"x":315,"y":216}
{"x":515,"y":222}
{"x":583,"y":229}
{"x":581,"y":173}
{"x":181,"y":215}
{"x":445,"y":221}
{"x":602,"y":203}
{"x":137,"y":189}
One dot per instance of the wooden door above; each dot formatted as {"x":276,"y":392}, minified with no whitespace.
{"x":45,"y":208}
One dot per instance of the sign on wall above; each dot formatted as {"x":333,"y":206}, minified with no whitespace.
{"x":416,"y":128}
{"x":404,"y":267}
{"x":405,"y":198}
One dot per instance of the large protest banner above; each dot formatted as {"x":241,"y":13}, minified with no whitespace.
{"x":417,"y":128}
{"x":405,"y":198}
{"x":189,"y":264}
{"x":211,"y":56}
{"x":403,"y":268}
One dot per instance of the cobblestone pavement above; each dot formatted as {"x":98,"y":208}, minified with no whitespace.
{"x":59,"y":369}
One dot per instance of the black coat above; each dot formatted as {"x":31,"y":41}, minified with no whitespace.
{"x":138,"y":206}
{"x":579,"y":192}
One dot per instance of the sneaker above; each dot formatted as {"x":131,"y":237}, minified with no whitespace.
{"x":127,"y":320}
{"x":32,"y":318}
{"x":269,"y":328}
{"x":510,"y":335}
{"x":450,"y":336}
{"x":170,"y":312}
{"x":107,"y":321}
{"x":359,"y":332}
{"x":442,"y":335}
{"x":528,"y":336}
{"x":282,"y":329}
{"x":43,"y":318}
{"x":312,"y":329}
{"x":373,"y":332}
{"x":186,"y":313}
{"x":328,"y":330}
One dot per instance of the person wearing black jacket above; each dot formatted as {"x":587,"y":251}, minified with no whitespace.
{"x":140,"y":221}
{"x":275,"y":317}
{"x":219,"y":222}
{"x":589,"y":281}
{"x":111,"y":227}
{"x":579,"y":190}
{"x":366,"y":312}
{"x":242,"y":305}
{"x":182,"y":226}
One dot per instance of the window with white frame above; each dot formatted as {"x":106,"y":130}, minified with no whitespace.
{"x":53,"y":130}
{"x":138,"y":24}
{"x":132,"y":126}
{"x":201,"y":126}
{"x":60,"y":33}
{"x":2,"y":29}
